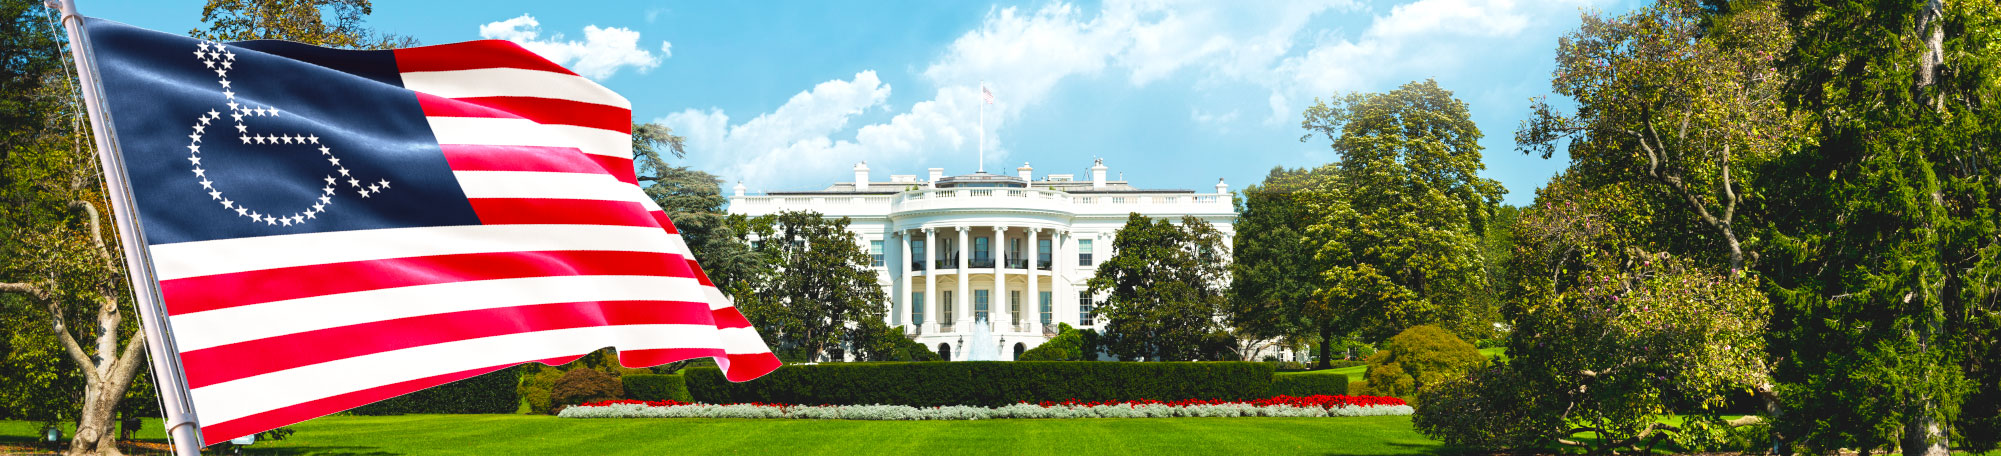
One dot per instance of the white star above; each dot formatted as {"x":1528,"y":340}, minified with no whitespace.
{"x":225,"y":63}
{"x":242,"y":129}
{"x":209,"y":63}
{"x":273,"y":221}
{"x":309,"y":215}
{"x":330,"y":180}
{"x":199,"y":54}
{"x":201,"y":172}
{"x":287,"y":138}
{"x":325,"y":200}
{"x":335,"y":160}
{"x":246,"y":139}
{"x":297,"y":219}
{"x":228,"y":55}
{"x":204,"y":121}
{"x":274,"y":112}
{"x":239,"y":120}
{"x":364,"y":193}
{"x":287,"y":220}
{"x":194,"y":149}
{"x":317,"y":208}
{"x":201,"y":129}
{"x":195,"y":158}
{"x":226,"y":203}
{"x":208,"y":184}
{"x":327,"y":189}
{"x":315,"y":139}
{"x":232,"y":108}
{"x":227,"y":93}
{"x":195,"y":136}
{"x":212,"y":113}
{"x":353,"y":183}
{"x":214,"y":195}
{"x":374,"y":188}
{"x":202,"y":45}
{"x":325,"y":151}
{"x":254,"y":216}
{"x":221,"y":72}
{"x":225,"y":83}
{"x":343,"y":171}
{"x":259,"y":138}
{"x":385,"y":183}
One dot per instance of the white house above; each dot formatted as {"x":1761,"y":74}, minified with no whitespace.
{"x":953,"y":251}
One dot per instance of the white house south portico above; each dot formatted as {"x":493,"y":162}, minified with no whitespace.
{"x":956,"y":252}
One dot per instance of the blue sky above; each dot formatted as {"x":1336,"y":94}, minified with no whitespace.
{"x":789,"y":95}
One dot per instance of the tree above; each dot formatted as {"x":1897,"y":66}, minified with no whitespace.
{"x":1885,"y":250}
{"x":878,"y":341}
{"x":1068,"y":345}
{"x":1420,"y":357}
{"x":1272,"y":273}
{"x":1166,"y":283}
{"x":304,"y":21}
{"x":821,"y":290}
{"x":1400,"y":224}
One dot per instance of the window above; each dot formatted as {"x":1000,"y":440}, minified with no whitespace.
{"x":980,"y":305}
{"x":1014,"y":248}
{"x":1083,"y":252}
{"x":980,"y":250}
{"x":875,"y":253}
{"x":1014,"y":306}
{"x":1043,"y":253}
{"x":917,"y":255}
{"x":946,"y":311}
{"x":1048,"y":313}
{"x":1086,"y":310}
{"x":917,"y":308}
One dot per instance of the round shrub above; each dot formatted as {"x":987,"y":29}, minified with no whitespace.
{"x":584,"y":385}
{"x":1420,"y":356}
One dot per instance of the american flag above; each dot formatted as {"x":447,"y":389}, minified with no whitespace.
{"x":333,"y":228}
{"x":986,"y":94}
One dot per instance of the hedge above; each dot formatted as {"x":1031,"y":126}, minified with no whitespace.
{"x":1308,"y":384}
{"x":656,"y":388}
{"x":990,"y":384}
{"x":492,"y":392}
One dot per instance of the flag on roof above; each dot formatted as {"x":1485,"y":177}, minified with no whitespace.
{"x":987,"y":94}
{"x":331,"y":228}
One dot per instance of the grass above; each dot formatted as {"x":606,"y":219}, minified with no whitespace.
{"x":530,"y":434}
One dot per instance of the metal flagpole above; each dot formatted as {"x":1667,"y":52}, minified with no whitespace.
{"x":182,"y":428}
{"x":983,"y":125}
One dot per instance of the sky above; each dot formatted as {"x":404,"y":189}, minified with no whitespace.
{"x":789,"y":95}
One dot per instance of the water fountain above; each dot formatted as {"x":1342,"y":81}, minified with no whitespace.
{"x":981,"y":346}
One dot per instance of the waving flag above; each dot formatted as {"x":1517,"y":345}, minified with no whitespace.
{"x":332,"y":228}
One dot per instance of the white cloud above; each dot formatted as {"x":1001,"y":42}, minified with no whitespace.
{"x":602,"y":53}
{"x":1024,"y":56}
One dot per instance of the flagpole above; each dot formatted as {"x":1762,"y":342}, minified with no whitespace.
{"x":983,"y":125}
{"x":182,"y":428}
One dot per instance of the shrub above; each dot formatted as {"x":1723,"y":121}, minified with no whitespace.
{"x":986,"y":383}
{"x":1359,"y":389}
{"x":1306,"y":384}
{"x":656,"y":387}
{"x":492,"y":392}
{"x":1068,"y":345}
{"x":536,"y":379}
{"x":583,"y":385}
{"x":1420,"y":356}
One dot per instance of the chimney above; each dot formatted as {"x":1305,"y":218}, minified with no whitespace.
{"x":739,"y":188}
{"x":936,"y":174}
{"x":1098,"y":175}
{"x":861,"y":176}
{"x":1025,"y":171}
{"x":1222,"y":188}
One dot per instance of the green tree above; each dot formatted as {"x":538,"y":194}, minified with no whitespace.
{"x":1272,"y":273}
{"x":821,"y":290}
{"x":878,"y":341}
{"x":1166,"y":289}
{"x":1885,"y":250}
{"x":330,"y":23}
{"x":1419,"y":357}
{"x":1068,"y":345}
{"x":1400,"y":224}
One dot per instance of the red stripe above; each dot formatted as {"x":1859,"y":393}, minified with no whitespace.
{"x":536,"y":158}
{"x":221,"y":291}
{"x":240,"y":360}
{"x":747,"y":367}
{"x":657,"y":356}
{"x":292,"y":414}
{"x":665,"y":222}
{"x":551,"y":111}
{"x":473,"y":55}
{"x":700,"y":275}
{"x":550,"y":211}
{"x":728,"y":317}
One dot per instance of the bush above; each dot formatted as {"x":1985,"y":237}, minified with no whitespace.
{"x":1068,"y":345}
{"x":492,"y":392}
{"x":1420,"y":356}
{"x":1359,"y":389}
{"x":583,"y":385}
{"x":989,"y":384}
{"x":1304,"y":384}
{"x":536,"y":379}
{"x":656,"y":387}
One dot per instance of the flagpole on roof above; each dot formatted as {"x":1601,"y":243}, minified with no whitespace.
{"x":983,"y":126}
{"x":182,"y":428}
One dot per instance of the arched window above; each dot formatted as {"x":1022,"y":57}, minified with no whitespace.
{"x":1018,"y":348}
{"x":945,"y":352}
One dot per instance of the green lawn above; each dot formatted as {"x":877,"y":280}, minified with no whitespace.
{"x":524,"y":434}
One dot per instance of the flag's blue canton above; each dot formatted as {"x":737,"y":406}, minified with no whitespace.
{"x":228,"y":140}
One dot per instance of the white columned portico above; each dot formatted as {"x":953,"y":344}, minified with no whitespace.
{"x":964,"y":296}
{"x":903,"y":311}
{"x":1032,"y":304}
{"x":930,"y":281}
{"x":997,"y":311}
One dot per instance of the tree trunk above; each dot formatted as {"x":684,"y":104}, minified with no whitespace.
{"x":1326,"y":347}
{"x":1924,"y":436}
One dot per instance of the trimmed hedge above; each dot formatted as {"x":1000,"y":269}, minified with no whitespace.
{"x":656,"y":387}
{"x":990,"y":384}
{"x":1303,"y":384}
{"x":492,"y":392}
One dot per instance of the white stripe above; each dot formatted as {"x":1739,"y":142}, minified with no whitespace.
{"x":511,"y":82}
{"x":225,"y":326}
{"x":486,"y":131}
{"x":223,"y":256}
{"x":533,"y":184}
{"x":239,"y":398}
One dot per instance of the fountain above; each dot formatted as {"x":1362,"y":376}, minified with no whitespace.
{"x":981,"y":347}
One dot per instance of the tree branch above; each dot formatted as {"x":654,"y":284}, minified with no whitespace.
{"x":68,"y":341}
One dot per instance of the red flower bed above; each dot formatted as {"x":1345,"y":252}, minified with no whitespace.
{"x":1322,"y":401}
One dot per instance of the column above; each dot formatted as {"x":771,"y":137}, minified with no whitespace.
{"x":930,"y":281}
{"x":903,"y":312}
{"x":997,"y":306}
{"x":965,"y":293}
{"x":1033,"y":297}
{"x":1060,"y":281}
